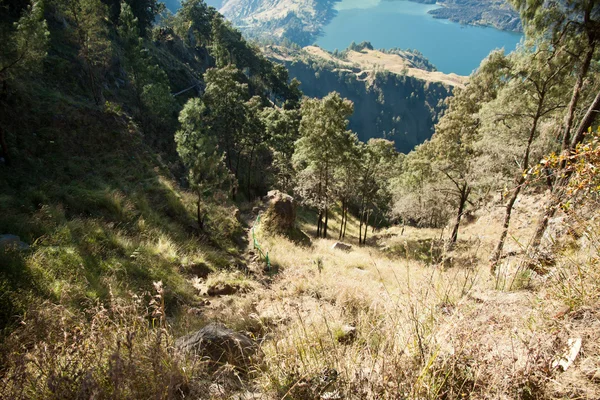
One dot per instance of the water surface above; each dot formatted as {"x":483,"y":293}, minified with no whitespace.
{"x":174,"y":5}
{"x":451,"y":47}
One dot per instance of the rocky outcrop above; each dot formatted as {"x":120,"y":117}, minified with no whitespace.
{"x":281,"y":212}
{"x":280,"y":218}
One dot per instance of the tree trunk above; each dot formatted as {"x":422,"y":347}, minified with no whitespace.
{"x":319,"y":223}
{"x":93,"y":85}
{"x":4,"y":146}
{"x":326,"y":222}
{"x":575,"y":98}
{"x":326,"y":199}
{"x":342,"y":221}
{"x":366,"y":228}
{"x":249,"y":171}
{"x":464,"y":196}
{"x":559,"y":187}
{"x":361,"y":216}
{"x":345,"y":222}
{"x":199,"y":216}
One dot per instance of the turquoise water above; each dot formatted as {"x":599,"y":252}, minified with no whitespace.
{"x":173,"y":5}
{"x":451,"y":47}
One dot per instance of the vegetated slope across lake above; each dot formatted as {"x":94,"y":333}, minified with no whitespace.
{"x":394,"y":95}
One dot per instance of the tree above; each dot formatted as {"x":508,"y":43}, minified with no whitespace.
{"x":346,"y":178}
{"x":318,"y":151}
{"x":150,"y":82}
{"x":532,"y":95}
{"x":417,"y":199}
{"x":224,"y":99}
{"x":200,"y":153}
{"x":565,"y":24}
{"x":145,"y":11}
{"x":377,"y":162}
{"x":254,"y":135}
{"x":574,"y":26}
{"x":90,"y":28}
{"x":24,"y":46}
{"x":282,"y":132}
{"x":456,"y":169}
{"x":193,"y":22}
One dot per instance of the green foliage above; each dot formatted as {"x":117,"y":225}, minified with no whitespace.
{"x":90,"y":31}
{"x":281,"y":127}
{"x":25,"y":43}
{"x":149,"y":80}
{"x":200,"y":154}
{"x":323,"y":137}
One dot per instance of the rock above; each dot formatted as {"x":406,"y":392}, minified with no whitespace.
{"x":341,"y":246}
{"x":13,"y":242}
{"x":201,"y":270}
{"x":347,"y":334}
{"x":222,"y":289}
{"x":281,"y":213}
{"x":218,"y":343}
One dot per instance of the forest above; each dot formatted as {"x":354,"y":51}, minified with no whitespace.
{"x":136,"y":150}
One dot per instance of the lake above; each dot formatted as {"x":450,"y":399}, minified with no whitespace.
{"x":450,"y":46}
{"x":173,"y":5}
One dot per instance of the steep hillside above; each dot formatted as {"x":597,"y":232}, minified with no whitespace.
{"x":91,"y":180}
{"x":392,"y":98}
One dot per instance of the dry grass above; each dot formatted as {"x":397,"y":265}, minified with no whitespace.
{"x":372,"y":60}
{"x":123,"y":351}
{"x":423,"y":329}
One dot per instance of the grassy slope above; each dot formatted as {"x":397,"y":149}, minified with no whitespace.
{"x":100,"y":209}
{"x":423,"y":329}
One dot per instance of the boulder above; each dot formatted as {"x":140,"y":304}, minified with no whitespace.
{"x":200,"y":269}
{"x":341,"y":246}
{"x":12,"y":241}
{"x":222,"y":289}
{"x":281,"y":212}
{"x":219,"y":344}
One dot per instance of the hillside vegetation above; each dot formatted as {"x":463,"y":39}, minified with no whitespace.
{"x":141,"y":259}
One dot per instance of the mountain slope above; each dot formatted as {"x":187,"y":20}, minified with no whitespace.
{"x":392,"y":98}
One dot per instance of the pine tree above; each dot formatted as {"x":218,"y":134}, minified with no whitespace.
{"x":200,"y":153}
{"x":25,"y":44}
{"x":319,"y":150}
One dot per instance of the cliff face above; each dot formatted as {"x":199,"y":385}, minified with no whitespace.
{"x":402,"y":106}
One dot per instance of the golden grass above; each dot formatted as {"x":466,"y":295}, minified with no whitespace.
{"x":423,"y":329}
